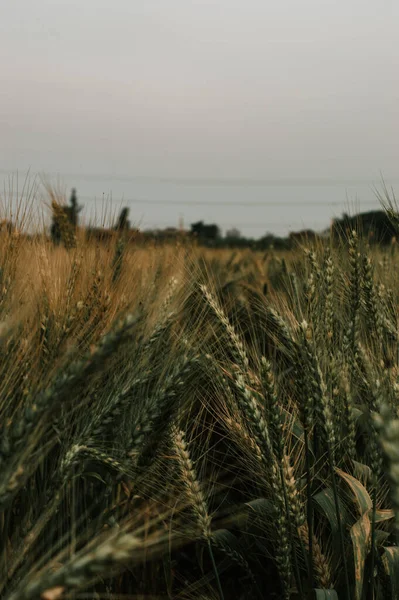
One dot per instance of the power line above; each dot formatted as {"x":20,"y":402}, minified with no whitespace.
{"x":244,"y":204}
{"x":212,"y":181}
{"x":194,"y":202}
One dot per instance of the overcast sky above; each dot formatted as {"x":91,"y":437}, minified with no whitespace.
{"x":202,"y":89}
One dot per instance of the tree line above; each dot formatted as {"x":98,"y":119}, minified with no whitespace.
{"x":377,"y":226}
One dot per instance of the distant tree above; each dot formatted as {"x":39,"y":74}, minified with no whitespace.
{"x":74,"y":209}
{"x":305,"y":236}
{"x":65,"y":221}
{"x":123,"y":222}
{"x":271,"y":241}
{"x":55,"y":229}
{"x":205,"y":233}
{"x":233,"y":234}
{"x":376,"y":225}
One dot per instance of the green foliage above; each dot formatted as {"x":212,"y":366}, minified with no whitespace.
{"x":170,"y":430}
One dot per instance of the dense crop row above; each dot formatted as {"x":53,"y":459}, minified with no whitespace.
{"x":181,"y":423}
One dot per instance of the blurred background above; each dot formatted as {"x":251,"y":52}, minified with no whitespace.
{"x":259,"y":116}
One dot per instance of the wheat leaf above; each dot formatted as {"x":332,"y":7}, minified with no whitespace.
{"x":390,"y":560}
{"x":360,"y":494}
{"x":326,"y":595}
{"x":360,"y":534}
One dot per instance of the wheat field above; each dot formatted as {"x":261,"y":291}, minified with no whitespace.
{"x":183,"y":423}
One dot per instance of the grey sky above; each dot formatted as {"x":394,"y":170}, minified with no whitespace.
{"x":289,"y":89}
